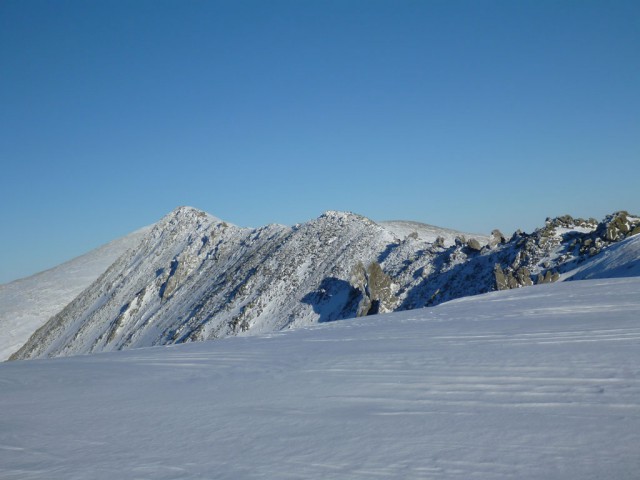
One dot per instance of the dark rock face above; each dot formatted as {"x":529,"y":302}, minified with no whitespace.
{"x":550,"y":276}
{"x":512,"y":279}
{"x":501,"y":280}
{"x":375,"y":286}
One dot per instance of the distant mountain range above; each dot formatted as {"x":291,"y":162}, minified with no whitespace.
{"x":193,"y":277}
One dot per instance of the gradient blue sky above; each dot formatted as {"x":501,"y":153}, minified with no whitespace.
{"x":464,"y":114}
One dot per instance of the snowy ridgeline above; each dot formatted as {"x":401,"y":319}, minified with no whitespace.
{"x":535,"y":383}
{"x":27,"y":304}
{"x":193,"y":277}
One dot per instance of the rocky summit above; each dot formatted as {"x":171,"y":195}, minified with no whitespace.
{"x":194,"y":277}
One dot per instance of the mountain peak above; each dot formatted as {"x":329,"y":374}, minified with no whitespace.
{"x":340,"y":216}
{"x":187,"y":216}
{"x":188,"y":212}
{"x":186,"y":209}
{"x":194,"y":277}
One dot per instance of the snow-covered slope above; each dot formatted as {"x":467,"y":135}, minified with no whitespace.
{"x":428,"y":233}
{"x":620,"y":260}
{"x":536,"y":383}
{"x":194,"y":277}
{"x":26,"y":304}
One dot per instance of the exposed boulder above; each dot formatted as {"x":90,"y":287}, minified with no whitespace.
{"x":618,"y":226}
{"x":376,"y":288}
{"x":439,"y":242}
{"x":501,"y":280}
{"x":523,"y":277}
{"x":506,"y":280}
{"x":550,"y":276}
{"x":474,"y":245}
{"x":496,"y":238}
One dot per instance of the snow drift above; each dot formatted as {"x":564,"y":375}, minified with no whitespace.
{"x":534,"y":383}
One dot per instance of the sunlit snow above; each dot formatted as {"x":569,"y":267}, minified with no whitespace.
{"x":428,"y":233}
{"x":26,"y":304}
{"x":534,"y":383}
{"x":619,"y":260}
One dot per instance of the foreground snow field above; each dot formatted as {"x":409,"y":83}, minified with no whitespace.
{"x":535,"y":383}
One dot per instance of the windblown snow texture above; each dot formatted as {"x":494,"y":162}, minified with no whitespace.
{"x":535,"y":383}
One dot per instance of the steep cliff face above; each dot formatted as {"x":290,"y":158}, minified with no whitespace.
{"x":194,"y":277}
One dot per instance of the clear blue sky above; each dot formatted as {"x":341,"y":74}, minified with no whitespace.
{"x":464,"y":114}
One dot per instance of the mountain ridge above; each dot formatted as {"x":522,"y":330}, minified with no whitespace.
{"x":195,"y":277}
{"x":27,"y":303}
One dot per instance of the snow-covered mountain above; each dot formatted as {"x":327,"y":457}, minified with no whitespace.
{"x":619,"y":260}
{"x":26,"y":304}
{"x":428,"y":233}
{"x":534,"y":383}
{"x":195,"y":277}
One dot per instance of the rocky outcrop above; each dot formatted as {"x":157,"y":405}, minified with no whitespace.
{"x":474,"y":245}
{"x":511,"y":279}
{"x":376,"y":288}
{"x":618,"y":226}
{"x":563,"y":243}
{"x":496,"y":238}
{"x":501,"y":280}
{"x":549,"y":276}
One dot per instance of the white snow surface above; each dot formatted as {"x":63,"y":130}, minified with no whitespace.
{"x":535,"y":383}
{"x":26,"y":304}
{"x":619,"y":260}
{"x":560,"y":231}
{"x":426,"y":232}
